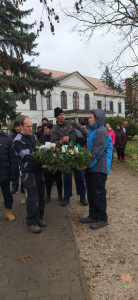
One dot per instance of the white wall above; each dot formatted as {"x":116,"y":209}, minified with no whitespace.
{"x":71,"y":85}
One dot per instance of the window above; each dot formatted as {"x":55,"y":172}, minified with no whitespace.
{"x":34,"y":127}
{"x":33,"y":102}
{"x":63,"y":100}
{"x":111,"y":105}
{"x":49,"y":100}
{"x":75,"y":100}
{"x":87,"y":102}
{"x":119,"y":108}
{"x":50,"y":121}
{"x":99,"y":104}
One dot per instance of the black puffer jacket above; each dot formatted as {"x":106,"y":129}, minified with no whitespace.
{"x":120,"y":139}
{"x":9,"y":169}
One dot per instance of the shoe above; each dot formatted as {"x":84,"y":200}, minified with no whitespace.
{"x":23,"y":199}
{"x":98,"y":225}
{"x":60,"y":197}
{"x":65,"y":201}
{"x":48,"y":198}
{"x":87,"y":220}
{"x":9,"y":215}
{"x":83,"y":201}
{"x":34,"y":228}
{"x":41,"y":223}
{"x":14,"y":191}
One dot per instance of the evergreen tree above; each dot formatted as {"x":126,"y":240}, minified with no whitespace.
{"x":107,"y":78}
{"x":18,"y":79}
{"x":119,"y":88}
{"x":131,"y":97}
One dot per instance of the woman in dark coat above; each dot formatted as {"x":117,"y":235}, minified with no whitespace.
{"x":49,"y":176}
{"x":9,"y":170}
{"x":120,"y":141}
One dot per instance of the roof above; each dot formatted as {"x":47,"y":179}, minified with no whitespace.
{"x":101,"y":87}
{"x":55,"y":74}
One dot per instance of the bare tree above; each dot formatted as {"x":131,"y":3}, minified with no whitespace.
{"x":120,"y":17}
{"x":116,"y":16}
{"x":50,"y":12}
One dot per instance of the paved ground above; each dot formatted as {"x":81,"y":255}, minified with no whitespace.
{"x":44,"y":266}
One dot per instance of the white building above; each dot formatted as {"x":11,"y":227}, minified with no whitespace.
{"x":76,"y":95}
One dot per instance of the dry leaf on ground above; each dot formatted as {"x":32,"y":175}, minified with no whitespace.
{"x":24,"y":257}
{"x":126,"y":277}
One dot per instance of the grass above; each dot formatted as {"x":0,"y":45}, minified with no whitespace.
{"x":131,"y":154}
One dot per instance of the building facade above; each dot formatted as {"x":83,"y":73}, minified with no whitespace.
{"x":76,"y":95}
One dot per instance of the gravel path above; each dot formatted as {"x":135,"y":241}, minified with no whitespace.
{"x":111,"y":252}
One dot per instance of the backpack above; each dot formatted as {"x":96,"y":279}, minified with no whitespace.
{"x":76,"y":136}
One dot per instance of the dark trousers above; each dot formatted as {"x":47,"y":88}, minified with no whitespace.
{"x":79,"y":176}
{"x":15,"y":185}
{"x":96,"y":194}
{"x":49,"y":178}
{"x":120,"y":153}
{"x":22,"y":188}
{"x":33,"y":184}
{"x":7,"y":196}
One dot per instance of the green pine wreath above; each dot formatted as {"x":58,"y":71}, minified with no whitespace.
{"x":63,"y":159}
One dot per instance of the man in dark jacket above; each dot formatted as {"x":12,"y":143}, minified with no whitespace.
{"x":60,"y":134}
{"x":33,"y":182}
{"x":9,"y":170}
{"x":15,"y":130}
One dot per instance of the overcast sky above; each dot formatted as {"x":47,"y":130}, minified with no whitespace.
{"x":65,"y":51}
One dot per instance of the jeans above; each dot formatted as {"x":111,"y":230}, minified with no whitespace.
{"x":8,"y":199}
{"x":15,"y":185}
{"x":79,"y":181}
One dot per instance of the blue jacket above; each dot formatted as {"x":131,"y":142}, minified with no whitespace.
{"x":100,"y":144}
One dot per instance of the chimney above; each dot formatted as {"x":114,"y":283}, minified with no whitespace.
{"x":128,"y":90}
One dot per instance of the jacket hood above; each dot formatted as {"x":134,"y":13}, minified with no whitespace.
{"x":100,"y":116}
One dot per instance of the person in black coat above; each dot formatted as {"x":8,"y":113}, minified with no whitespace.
{"x":49,"y":176}
{"x":39,"y":132}
{"x":120,"y":141}
{"x":9,"y":170}
{"x":15,"y":130}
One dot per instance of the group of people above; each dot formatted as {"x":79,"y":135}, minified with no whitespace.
{"x":119,"y":139}
{"x":17,"y":151}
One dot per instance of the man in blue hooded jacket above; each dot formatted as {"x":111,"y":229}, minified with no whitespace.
{"x":100,"y":144}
